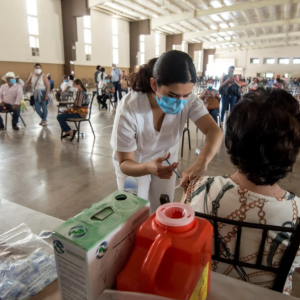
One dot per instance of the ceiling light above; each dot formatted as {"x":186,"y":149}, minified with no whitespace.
{"x":220,"y":39}
{"x":213,"y":27}
{"x":227,"y":38}
{"x":155,"y":16}
{"x":231,"y":24}
{"x":223,"y":25}
{"x":212,"y":40}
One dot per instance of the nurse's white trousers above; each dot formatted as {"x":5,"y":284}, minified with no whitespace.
{"x":150,"y":187}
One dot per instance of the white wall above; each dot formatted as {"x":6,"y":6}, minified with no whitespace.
{"x":242,"y":60}
{"x":14,"y":32}
{"x":101,"y":28}
{"x":150,"y":45}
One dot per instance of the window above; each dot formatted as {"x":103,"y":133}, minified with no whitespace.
{"x":269,"y":75}
{"x":296,"y":61}
{"x":174,"y":47}
{"x":283,"y":61}
{"x":34,"y":42}
{"x":157,"y":43}
{"x":115,"y":41}
{"x":199,"y":61}
{"x":142,"y":49}
{"x":269,"y":61}
{"x":31,"y":7}
{"x":87,"y":22}
{"x":254,"y":61}
{"x":33,"y":27}
{"x":87,"y":36}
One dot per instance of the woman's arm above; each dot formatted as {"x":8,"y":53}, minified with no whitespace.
{"x":224,"y":82}
{"x":46,"y":82}
{"x":201,"y":96}
{"x":28,"y":81}
{"x":130,"y":167}
{"x":212,"y":144}
{"x":237,"y":83}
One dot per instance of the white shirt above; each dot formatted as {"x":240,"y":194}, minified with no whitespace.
{"x":64,"y":86}
{"x":101,"y":82}
{"x":39,"y":85}
{"x":11,"y":95}
{"x":134,"y":127}
{"x":71,"y":87}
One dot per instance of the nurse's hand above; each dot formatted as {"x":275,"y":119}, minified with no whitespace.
{"x":191,"y":173}
{"x":156,"y":168}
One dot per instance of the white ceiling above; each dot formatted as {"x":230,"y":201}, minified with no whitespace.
{"x":221,"y":24}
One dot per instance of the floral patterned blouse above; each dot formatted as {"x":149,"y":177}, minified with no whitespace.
{"x":222,"y":197}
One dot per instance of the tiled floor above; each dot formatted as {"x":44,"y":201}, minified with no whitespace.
{"x":62,"y":178}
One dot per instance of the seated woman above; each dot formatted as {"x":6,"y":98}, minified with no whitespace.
{"x":78,"y":110}
{"x":278,"y":85}
{"x":253,"y":85}
{"x":263,"y":147}
{"x":211,"y":99}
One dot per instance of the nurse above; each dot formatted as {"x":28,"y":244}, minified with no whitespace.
{"x":149,"y":123}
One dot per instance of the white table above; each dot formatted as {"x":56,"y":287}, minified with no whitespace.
{"x":222,"y":287}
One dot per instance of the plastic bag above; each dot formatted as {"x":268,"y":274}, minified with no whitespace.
{"x":23,"y":105}
{"x":27,"y":264}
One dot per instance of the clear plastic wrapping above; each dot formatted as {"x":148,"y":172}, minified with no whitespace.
{"x":27,"y":263}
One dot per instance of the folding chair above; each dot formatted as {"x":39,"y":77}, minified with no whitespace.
{"x":77,"y":121}
{"x":6,"y":112}
{"x":186,"y":129}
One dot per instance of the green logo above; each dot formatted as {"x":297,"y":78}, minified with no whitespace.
{"x":77,"y":231}
{"x":58,"y":246}
{"x":102,"y":249}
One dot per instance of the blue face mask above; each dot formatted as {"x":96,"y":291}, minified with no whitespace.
{"x":65,"y":80}
{"x":107,"y":80}
{"x":13,"y":81}
{"x":170,"y":106}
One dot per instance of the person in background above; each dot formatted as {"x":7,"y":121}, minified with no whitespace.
{"x":11,"y":95}
{"x":229,"y":90}
{"x":63,"y":92}
{"x":108,"y":91}
{"x":123,"y":75}
{"x":243,"y":86}
{"x":116,"y":75}
{"x":41,"y":90}
{"x":284,"y":79}
{"x":51,"y":82}
{"x":78,"y":110}
{"x":20,"y":81}
{"x":70,"y":85}
{"x":278,"y":85}
{"x":124,"y":85}
{"x":96,"y":76}
{"x":254,"y":84}
{"x":262,"y":156}
{"x":211,"y":99}
{"x":101,"y":80}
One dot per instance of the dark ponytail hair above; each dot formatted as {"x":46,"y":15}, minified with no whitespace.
{"x":78,"y":82}
{"x":36,"y":65}
{"x":170,"y":68}
{"x":102,"y":70}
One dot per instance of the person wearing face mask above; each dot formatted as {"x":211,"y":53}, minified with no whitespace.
{"x":41,"y":90}
{"x":107,"y":92}
{"x":149,"y":123}
{"x":229,"y":90}
{"x":11,"y":95}
{"x":211,"y":99}
{"x":64,"y":92}
{"x":116,"y":76}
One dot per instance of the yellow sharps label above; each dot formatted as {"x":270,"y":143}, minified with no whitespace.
{"x":200,"y":292}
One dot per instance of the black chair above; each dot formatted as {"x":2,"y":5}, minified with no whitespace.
{"x":6,"y":112}
{"x":286,"y":261}
{"x":77,"y":121}
{"x":186,"y":129}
